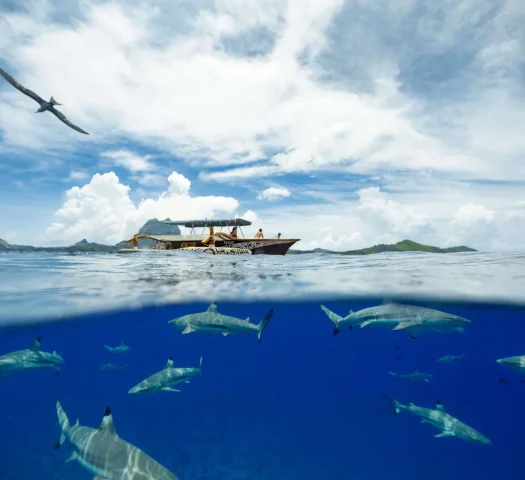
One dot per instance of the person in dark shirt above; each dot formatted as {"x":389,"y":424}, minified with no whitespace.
{"x":278,"y":235}
{"x":234,"y":232}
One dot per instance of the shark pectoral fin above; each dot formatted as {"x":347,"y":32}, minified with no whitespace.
{"x":226,"y":333}
{"x":402,"y":325}
{"x":424,"y":420}
{"x":72,"y":457}
{"x":169,"y":389}
{"x":444,"y":434}
{"x":188,"y":330}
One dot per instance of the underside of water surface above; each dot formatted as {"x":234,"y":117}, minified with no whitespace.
{"x":302,"y":404}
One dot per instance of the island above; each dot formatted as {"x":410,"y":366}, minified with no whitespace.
{"x":403,"y":246}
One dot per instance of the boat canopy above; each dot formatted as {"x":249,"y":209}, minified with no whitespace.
{"x":236,"y":222}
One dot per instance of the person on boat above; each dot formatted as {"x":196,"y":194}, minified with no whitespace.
{"x":259,"y":234}
{"x":234,"y":232}
{"x":278,"y":235}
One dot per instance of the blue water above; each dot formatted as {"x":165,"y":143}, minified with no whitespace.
{"x":304,"y":404}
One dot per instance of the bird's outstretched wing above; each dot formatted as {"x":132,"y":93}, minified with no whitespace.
{"x":62,"y":117}
{"x":15,"y":84}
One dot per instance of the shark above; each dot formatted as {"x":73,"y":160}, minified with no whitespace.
{"x":211,"y":321}
{"x":439,"y":418}
{"x":111,"y":366}
{"x":30,"y":358}
{"x":451,"y":359}
{"x":411,"y":318}
{"x":166,"y":378}
{"x":516,"y":363}
{"x":120,"y":349}
{"x":415,"y":376}
{"x":106,"y":455}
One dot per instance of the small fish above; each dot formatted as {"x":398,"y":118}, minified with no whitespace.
{"x":504,"y":381}
{"x":111,"y":366}
{"x":397,"y":347}
{"x":415,"y":376}
{"x":399,"y":357}
{"x":120,"y":349}
{"x":453,"y":359}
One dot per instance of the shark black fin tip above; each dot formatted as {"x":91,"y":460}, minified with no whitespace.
{"x":438,"y":402}
{"x":107,"y":412}
{"x":171,"y":358}
{"x":38,"y":339}
{"x":336,"y":331}
{"x":350,"y":327}
{"x":57,"y":445}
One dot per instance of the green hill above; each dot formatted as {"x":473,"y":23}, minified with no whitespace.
{"x":152,"y":226}
{"x":404,"y":246}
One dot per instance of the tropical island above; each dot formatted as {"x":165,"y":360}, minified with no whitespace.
{"x":403,"y":246}
{"x":156,"y":227}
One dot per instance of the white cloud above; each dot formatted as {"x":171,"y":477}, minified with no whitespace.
{"x":179,"y":184}
{"x":103,"y":212}
{"x":76,"y":175}
{"x":274,"y":193}
{"x":129,"y":160}
{"x":250,"y":215}
{"x":201,"y":97}
{"x":473,"y":213}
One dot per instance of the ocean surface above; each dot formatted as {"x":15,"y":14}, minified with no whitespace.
{"x":304,"y":403}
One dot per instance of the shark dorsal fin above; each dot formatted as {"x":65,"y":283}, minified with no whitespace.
{"x":247,"y":319}
{"x":350,"y":312}
{"x":107,"y":423}
{"x":440,"y":407}
{"x":212,"y":308}
{"x":169,"y":363}
{"x":35,"y":345}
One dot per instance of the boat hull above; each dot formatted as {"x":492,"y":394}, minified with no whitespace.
{"x":263,"y":246}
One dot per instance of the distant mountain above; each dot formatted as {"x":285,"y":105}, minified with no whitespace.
{"x":151,"y":227}
{"x":404,"y":246}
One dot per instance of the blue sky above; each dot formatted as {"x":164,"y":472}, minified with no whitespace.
{"x":344,"y":123}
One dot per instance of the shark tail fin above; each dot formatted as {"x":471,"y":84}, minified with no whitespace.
{"x":200,"y":366}
{"x":264,"y":323}
{"x":333,"y":317}
{"x":397,"y":406}
{"x":109,"y":349}
{"x":63,"y":422}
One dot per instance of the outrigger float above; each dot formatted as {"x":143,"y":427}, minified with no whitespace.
{"x":215,"y":243}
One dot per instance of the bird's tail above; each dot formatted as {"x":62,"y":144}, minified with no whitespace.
{"x":63,"y":422}
{"x":264,"y":323}
{"x":52,"y":101}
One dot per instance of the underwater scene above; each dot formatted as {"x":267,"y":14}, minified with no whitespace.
{"x":336,"y":389}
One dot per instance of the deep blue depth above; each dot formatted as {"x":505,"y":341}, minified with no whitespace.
{"x":304,"y":404}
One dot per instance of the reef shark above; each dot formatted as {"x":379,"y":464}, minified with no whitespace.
{"x":120,"y":349}
{"x":412,"y":318}
{"x":211,"y":321}
{"x":451,"y":359}
{"x":415,"y":376}
{"x":449,"y":425}
{"x":29,"y":358}
{"x":516,"y":363}
{"x":106,"y":455}
{"x":166,"y":378}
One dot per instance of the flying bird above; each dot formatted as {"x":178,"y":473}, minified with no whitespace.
{"x":50,"y":106}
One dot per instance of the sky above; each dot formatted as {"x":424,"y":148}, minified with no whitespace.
{"x":342,"y":123}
